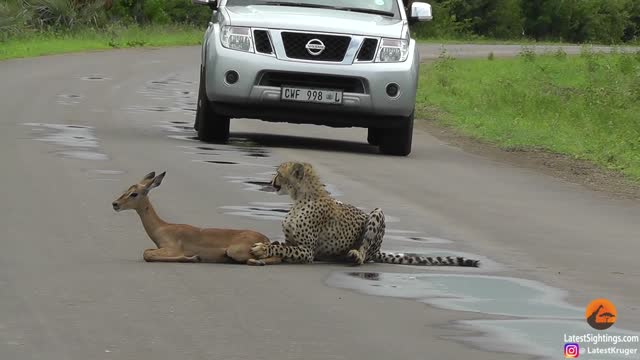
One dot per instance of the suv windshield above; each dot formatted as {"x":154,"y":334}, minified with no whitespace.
{"x":378,"y":7}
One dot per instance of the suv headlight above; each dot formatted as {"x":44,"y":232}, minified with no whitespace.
{"x":237,"y":38}
{"x":393,"y":50}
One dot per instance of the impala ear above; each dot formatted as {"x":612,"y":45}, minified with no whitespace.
{"x":298,"y":171}
{"x":156,"y":181}
{"x":148,"y":177}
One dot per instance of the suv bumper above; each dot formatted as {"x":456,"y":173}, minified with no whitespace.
{"x":250,"y":97}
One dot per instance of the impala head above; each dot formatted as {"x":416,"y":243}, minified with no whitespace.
{"x":133,"y":197}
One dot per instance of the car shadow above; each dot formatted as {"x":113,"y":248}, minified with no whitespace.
{"x":310,"y":143}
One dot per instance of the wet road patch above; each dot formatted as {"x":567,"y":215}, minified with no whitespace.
{"x":260,"y":210}
{"x":95,"y":77}
{"x":538,"y":315}
{"x":263,"y":184}
{"x":485,"y":294}
{"x":68,"y":99}
{"x":253,"y":183}
{"x":413,"y":236}
{"x":541,"y":338}
{"x":179,"y":94}
{"x":77,"y":141}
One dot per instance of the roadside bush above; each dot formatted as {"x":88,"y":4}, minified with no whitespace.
{"x":611,"y":21}
{"x":64,"y":15}
{"x":13,"y":18}
{"x":158,"y":12}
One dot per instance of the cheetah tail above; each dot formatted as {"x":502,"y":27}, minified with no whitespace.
{"x":389,"y":258}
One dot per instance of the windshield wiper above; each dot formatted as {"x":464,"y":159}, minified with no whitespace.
{"x":297,"y":4}
{"x":320,"y":6}
{"x":366,"y":11}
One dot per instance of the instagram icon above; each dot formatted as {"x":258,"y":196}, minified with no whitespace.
{"x":571,"y":350}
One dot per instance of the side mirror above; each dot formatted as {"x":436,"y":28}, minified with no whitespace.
{"x":420,"y":12}
{"x":213,"y":4}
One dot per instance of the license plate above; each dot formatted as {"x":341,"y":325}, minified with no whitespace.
{"x":311,"y":95}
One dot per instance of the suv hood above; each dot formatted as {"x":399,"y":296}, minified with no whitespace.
{"x":310,"y":19}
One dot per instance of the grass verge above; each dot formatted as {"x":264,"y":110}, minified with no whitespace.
{"x":37,"y":44}
{"x":584,"y":106}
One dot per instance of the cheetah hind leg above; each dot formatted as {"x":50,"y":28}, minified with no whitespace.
{"x":371,"y":240}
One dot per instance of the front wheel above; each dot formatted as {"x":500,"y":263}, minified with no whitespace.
{"x":210,"y":126}
{"x":397,"y":141}
{"x":373,"y":136}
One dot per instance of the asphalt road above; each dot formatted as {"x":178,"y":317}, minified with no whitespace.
{"x":76,"y":130}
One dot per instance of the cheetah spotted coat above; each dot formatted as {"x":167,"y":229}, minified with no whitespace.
{"x":319,"y":227}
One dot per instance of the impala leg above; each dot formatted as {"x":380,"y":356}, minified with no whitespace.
{"x":168,"y":255}
{"x":239,"y":252}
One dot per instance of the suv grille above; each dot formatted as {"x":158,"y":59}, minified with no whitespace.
{"x":335,"y":46}
{"x":263,"y":44}
{"x":367,"y":50}
{"x":344,"y":83}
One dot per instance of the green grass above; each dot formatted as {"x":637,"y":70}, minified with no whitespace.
{"x":486,"y":41}
{"x":37,"y":44}
{"x":585,"y":106}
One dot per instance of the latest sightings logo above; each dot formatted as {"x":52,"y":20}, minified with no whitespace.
{"x":571,"y":350}
{"x":601,"y":314}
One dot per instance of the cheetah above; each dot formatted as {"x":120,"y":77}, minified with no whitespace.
{"x":319,"y":227}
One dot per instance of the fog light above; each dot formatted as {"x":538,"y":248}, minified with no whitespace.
{"x":393,"y":90}
{"x":231,"y":77}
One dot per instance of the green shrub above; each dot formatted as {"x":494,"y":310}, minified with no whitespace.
{"x":13,"y":19}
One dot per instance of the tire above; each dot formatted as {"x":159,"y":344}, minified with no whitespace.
{"x":373,"y":136}
{"x":210,"y":126}
{"x":397,"y":141}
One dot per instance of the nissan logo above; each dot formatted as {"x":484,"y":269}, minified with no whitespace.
{"x":315,"y":47}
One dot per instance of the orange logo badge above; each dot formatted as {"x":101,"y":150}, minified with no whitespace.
{"x":601,"y":314}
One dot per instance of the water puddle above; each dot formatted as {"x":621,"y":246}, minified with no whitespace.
{"x":263,"y":184}
{"x":486,"y":294}
{"x":412,"y":237}
{"x":238,"y":145}
{"x":95,"y":77}
{"x":542,"y":316}
{"x":176,"y":95}
{"x":68,"y":99}
{"x":235,"y":152}
{"x":184,"y":138}
{"x":79,"y":141}
{"x":108,"y":172}
{"x":219,"y":162}
{"x":252,"y":183}
{"x":105,"y":175}
{"x":172,"y":127}
{"x":542,"y":338}
{"x":260,"y":210}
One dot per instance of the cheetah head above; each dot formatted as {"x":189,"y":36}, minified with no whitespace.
{"x":288,"y":177}
{"x":297,"y":179}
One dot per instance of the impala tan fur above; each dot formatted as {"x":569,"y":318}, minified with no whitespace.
{"x":186,"y":243}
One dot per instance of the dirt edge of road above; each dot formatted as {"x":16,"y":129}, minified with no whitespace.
{"x":561,"y":166}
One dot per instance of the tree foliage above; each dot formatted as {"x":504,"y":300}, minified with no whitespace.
{"x":610,"y":21}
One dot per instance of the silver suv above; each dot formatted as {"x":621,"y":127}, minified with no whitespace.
{"x":339,"y":63}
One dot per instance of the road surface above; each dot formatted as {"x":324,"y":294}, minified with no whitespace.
{"x":77,"y":130}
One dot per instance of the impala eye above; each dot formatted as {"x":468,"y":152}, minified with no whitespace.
{"x":133,"y":195}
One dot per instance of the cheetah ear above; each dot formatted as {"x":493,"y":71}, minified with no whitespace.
{"x":298,"y":171}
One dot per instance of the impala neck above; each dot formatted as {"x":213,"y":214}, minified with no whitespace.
{"x":150,"y":220}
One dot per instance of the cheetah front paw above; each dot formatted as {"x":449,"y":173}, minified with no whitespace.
{"x":259,"y":250}
{"x":254,"y":262}
{"x":356,"y":256}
